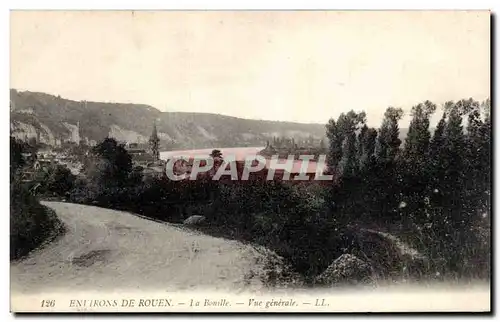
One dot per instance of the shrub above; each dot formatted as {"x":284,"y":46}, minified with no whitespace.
{"x":57,"y":181}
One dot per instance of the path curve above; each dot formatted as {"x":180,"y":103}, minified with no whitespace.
{"x":112,"y":250}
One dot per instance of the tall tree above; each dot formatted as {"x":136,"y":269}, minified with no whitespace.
{"x":337,"y":132}
{"x":437,"y":141}
{"x":388,"y":140}
{"x":367,"y":144}
{"x":359,"y":141}
{"x":216,"y":154}
{"x":437,"y":153}
{"x":387,"y":180}
{"x":414,"y":166}
{"x":478,"y":152}
{"x":348,"y":164}
{"x":335,"y":139}
{"x":110,"y":164}
{"x":418,"y":138}
{"x":454,"y":161}
{"x":486,"y":158}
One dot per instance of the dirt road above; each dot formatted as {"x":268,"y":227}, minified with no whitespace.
{"x":112,"y":250}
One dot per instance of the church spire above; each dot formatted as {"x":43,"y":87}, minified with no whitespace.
{"x":154,"y":143}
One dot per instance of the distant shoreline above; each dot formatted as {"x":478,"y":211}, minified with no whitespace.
{"x":241,"y":152}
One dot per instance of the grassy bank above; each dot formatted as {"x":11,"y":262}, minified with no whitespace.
{"x":31,"y":224}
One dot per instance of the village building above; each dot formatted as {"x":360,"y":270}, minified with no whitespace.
{"x":148,"y":158}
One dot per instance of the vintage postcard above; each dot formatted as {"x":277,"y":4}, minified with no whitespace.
{"x":250,"y":161}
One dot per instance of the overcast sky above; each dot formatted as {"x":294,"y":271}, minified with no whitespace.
{"x":291,"y":66}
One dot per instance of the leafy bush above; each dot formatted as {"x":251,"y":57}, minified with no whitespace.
{"x":30,"y":223}
{"x":56,"y":181}
{"x":287,"y":219}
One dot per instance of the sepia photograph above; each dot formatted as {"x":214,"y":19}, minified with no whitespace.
{"x":250,"y":161}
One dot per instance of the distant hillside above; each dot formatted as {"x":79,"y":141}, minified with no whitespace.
{"x":52,"y":119}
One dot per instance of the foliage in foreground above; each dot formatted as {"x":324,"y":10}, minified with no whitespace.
{"x":31,"y":224}
{"x":433,"y":192}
